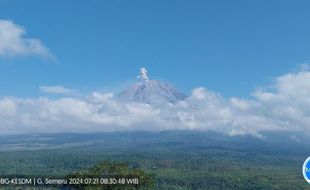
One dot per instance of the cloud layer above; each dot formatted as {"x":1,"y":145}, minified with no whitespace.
{"x":57,"y":90}
{"x":14,"y":43}
{"x":283,"y":107}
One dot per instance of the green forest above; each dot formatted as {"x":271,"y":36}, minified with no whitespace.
{"x":172,"y":161}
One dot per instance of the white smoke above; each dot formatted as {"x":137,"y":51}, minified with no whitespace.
{"x":143,"y":74}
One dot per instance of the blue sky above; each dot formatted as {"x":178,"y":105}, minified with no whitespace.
{"x":230,"y":47}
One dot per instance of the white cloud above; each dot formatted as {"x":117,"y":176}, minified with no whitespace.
{"x":7,"y":107}
{"x":14,"y":43}
{"x":57,"y":90}
{"x":294,"y":84}
{"x":284,"y":107}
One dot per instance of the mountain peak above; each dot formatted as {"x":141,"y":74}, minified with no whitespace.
{"x":151,"y":91}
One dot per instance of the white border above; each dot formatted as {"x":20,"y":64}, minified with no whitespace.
{"x":304,"y":169}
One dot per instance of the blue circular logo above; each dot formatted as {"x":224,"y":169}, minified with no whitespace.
{"x":306,"y":170}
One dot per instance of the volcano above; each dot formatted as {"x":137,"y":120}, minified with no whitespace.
{"x":151,"y":91}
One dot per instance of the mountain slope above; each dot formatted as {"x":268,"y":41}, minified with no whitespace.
{"x":152,"y":91}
